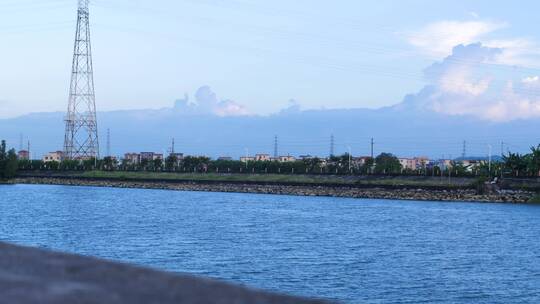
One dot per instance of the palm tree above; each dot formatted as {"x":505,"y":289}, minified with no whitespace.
{"x":534,"y":160}
{"x":516,"y":163}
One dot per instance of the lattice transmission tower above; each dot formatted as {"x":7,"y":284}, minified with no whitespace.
{"x":81,"y":138}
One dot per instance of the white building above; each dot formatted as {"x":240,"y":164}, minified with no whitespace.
{"x":415,"y":163}
{"x":421,"y":161}
{"x":262,"y":157}
{"x":286,"y":159}
{"x":360,"y":161}
{"x":408,"y":163}
{"x":132,"y":158}
{"x":57,"y":156}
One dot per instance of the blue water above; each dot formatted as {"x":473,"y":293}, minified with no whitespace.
{"x":353,"y":250}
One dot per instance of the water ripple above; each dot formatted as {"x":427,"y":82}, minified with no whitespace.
{"x":356,"y":251}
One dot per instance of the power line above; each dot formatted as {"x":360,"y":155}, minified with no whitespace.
{"x":297,"y":36}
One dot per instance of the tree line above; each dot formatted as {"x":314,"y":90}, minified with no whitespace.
{"x":8,"y":162}
{"x":512,"y":165}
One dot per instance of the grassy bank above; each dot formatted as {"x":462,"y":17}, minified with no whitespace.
{"x":216,"y":177}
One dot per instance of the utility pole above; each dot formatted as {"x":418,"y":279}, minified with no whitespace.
{"x":372,"y":144}
{"x":108,"y":142}
{"x":247,"y":157}
{"x":350,"y":159}
{"x":332,"y":142}
{"x":20,"y":142}
{"x":442,"y":164}
{"x":489,"y":160}
{"x":502,"y":156}
{"x":172,"y":146}
{"x":450,"y":171}
{"x":464,"y":153}
{"x":81,"y":136}
{"x":276,"y":151}
{"x":28,"y":149}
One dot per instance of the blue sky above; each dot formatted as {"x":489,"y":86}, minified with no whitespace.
{"x":260,"y":54}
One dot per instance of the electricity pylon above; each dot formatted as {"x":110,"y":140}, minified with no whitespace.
{"x":81,"y":138}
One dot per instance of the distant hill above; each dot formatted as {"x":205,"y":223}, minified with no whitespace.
{"x":398,"y":130}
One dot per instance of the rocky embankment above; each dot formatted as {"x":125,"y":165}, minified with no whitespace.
{"x":352,"y":191}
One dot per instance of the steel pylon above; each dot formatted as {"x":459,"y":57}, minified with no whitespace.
{"x":81,"y":137}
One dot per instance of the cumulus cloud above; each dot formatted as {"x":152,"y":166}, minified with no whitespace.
{"x":230,"y":108}
{"x":474,"y":15}
{"x":207,"y":102}
{"x":461,"y":85}
{"x":439,"y":38}
{"x":530,"y":80}
{"x":516,"y":52}
{"x":294,"y":107}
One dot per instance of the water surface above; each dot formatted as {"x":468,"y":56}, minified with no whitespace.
{"x":353,"y":250}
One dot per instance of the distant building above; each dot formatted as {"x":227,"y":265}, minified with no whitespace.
{"x":132,"y":158}
{"x":179,"y":156}
{"x":57,"y":156}
{"x":147,"y":156}
{"x":286,"y":159}
{"x":408,"y":163}
{"x":414,"y":163}
{"x":444,"y":164}
{"x":150,"y":156}
{"x":360,"y":161}
{"x":421,"y":161}
{"x":262,"y":157}
{"x":23,"y":155}
{"x":225,"y":158}
{"x":471,"y":164}
{"x":306,"y":157}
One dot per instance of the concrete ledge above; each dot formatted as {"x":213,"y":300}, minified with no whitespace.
{"x":29,"y":275}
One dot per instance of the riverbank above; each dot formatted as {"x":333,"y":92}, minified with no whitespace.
{"x":350,"y":190}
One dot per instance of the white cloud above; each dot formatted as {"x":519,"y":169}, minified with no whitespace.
{"x":530,"y":79}
{"x":230,"y":108}
{"x":458,"y":80}
{"x":439,"y":38}
{"x":207,"y":103}
{"x":516,"y":52}
{"x":294,"y":107}
{"x":459,"y":85}
{"x":474,"y":15}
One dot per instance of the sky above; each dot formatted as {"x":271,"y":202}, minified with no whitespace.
{"x":257,"y":56}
